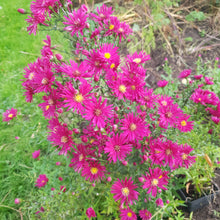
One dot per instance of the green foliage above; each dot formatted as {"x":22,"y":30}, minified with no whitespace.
{"x":195,"y":16}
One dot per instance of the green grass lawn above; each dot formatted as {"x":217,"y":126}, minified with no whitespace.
{"x":18,"y":171}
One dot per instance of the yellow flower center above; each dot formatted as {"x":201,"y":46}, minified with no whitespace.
{"x":98,"y":112}
{"x":146,"y":214}
{"x":97,"y":63}
{"x":76,"y":73}
{"x":79,"y":98}
{"x":91,"y":141}
{"x":107,"y":55}
{"x":129,"y":214}
{"x":168,"y":114}
{"x":94,"y":170}
{"x":164,"y":103}
{"x":122,"y":88}
{"x":154,"y":182}
{"x":199,"y":99}
{"x":183,"y":123}
{"x":133,"y":126}
{"x":47,"y":107}
{"x":168,"y":152}
{"x":137,"y":60}
{"x":184,"y":156}
{"x":112,"y":66}
{"x":50,"y":101}
{"x":160,"y":176}
{"x":10,"y":115}
{"x":111,"y":26}
{"x":81,"y":157}
{"x":44,"y":81}
{"x":43,"y":181}
{"x":133,"y":87}
{"x":125,"y":191}
{"x":120,"y":30}
{"x":64,"y":139}
{"x":117,"y":148}
{"x":31,"y":76}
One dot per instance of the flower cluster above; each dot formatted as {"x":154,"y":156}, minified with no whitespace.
{"x":116,"y":116}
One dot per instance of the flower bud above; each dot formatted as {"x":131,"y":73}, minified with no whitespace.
{"x":21,"y":11}
{"x":125,"y":163}
{"x":141,"y":179}
{"x":109,"y":179}
{"x":84,"y":139}
{"x":59,"y":56}
{"x":17,"y":201}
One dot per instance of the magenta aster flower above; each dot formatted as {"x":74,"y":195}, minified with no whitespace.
{"x":162,"y":83}
{"x":112,"y":25}
{"x":76,"y":99}
{"x":117,"y":148}
{"x":148,"y":98}
{"x":169,"y":114}
{"x":51,"y":104}
{"x":204,"y":97}
{"x":61,"y":136}
{"x":34,"y":20}
{"x":185,"y":160}
{"x":135,"y":89}
{"x":80,"y":155}
{"x":185,"y":73}
{"x":119,"y":88}
{"x":98,"y":112}
{"x":9,"y":114}
{"x":103,"y":12}
{"x":108,"y":53}
{"x":123,"y":31}
{"x":134,"y":128}
{"x":145,"y":214}
{"x":41,"y":181}
{"x":42,"y":6}
{"x":124,"y":191}
{"x":198,"y":76}
{"x":90,"y":213}
{"x":215,"y":119}
{"x":75,"y":70}
{"x":183,"y":124}
{"x":42,"y":78}
{"x":209,"y":80}
{"x":76,"y":22}
{"x":94,"y":62}
{"x":165,"y":152}
{"x":127,"y":214}
{"x":215,"y":112}
{"x":93,"y":171}
{"x":154,"y":180}
{"x":159,"y":202}
{"x":136,"y":58}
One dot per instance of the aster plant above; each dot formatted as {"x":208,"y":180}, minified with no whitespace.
{"x":102,"y":114}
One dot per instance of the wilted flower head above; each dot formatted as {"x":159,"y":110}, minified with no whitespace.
{"x":36,"y":154}
{"x":90,"y":212}
{"x":159,"y":202}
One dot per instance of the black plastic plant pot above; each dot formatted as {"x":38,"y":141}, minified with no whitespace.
{"x":193,"y":205}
